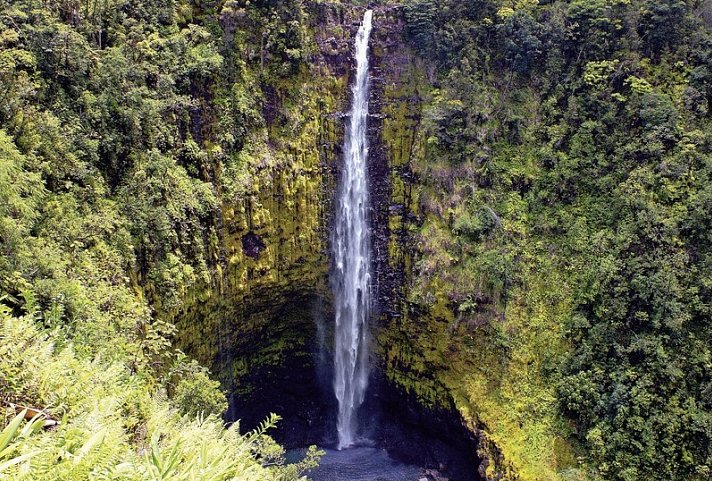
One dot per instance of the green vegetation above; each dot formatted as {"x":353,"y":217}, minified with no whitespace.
{"x":554,"y":164}
{"x":123,"y":130}
{"x":566,"y":226}
{"x":107,"y":411}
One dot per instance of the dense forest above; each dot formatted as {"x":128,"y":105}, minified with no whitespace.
{"x":564,"y":220}
{"x":572,"y":143}
{"x":110,"y":186}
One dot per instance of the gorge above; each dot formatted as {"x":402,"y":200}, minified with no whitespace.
{"x":318,"y":353}
{"x":462,"y":239}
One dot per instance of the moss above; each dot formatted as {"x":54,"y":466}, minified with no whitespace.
{"x":246,"y":320}
{"x":228,"y":322}
{"x":494,"y":369}
{"x":497,"y":373}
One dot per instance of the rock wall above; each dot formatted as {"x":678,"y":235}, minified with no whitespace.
{"x":415,"y":349}
{"x":256,"y":315}
{"x":258,"y":322}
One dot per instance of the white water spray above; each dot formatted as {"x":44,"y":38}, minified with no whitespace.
{"x":352,"y":255}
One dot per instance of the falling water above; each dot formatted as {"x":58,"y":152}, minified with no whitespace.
{"x":352,"y":256}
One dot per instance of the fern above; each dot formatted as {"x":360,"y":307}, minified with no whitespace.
{"x":12,"y":437}
{"x":264,"y":426}
{"x":108,"y":413}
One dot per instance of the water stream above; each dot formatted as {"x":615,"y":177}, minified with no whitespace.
{"x":351,"y":251}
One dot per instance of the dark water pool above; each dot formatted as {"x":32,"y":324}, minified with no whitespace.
{"x":361,"y":464}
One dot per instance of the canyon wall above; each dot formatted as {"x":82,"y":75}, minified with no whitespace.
{"x":260,"y":322}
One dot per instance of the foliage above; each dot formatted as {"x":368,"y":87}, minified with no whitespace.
{"x":104,"y":410}
{"x":197,"y":394}
{"x":117,"y":119}
{"x":565,"y":254}
{"x":12,"y":436}
{"x":583,"y":128}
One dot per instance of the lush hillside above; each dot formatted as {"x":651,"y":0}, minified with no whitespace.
{"x":161,"y":160}
{"x":116,"y":119}
{"x":566,"y":225}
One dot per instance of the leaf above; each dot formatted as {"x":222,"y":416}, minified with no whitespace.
{"x":17,"y":460}
{"x":33,"y":426}
{"x":8,"y":433}
{"x":92,"y":443}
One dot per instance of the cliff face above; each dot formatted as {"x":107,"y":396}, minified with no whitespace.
{"x":417,"y":349}
{"x":260,"y":322}
{"x":254,"y":321}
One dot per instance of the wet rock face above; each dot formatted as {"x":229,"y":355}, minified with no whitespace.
{"x":252,"y":245}
{"x":281,"y":362}
{"x":262,"y":322}
{"x":388,"y":54}
{"x":434,"y":438}
{"x":437,"y":434}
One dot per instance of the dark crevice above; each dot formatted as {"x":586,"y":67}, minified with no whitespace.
{"x":299,"y":389}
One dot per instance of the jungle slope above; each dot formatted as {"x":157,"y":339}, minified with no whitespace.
{"x":562,"y":272}
{"x":556,"y":192}
{"x":124,"y":127}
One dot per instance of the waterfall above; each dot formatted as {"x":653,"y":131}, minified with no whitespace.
{"x":352,"y":255}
